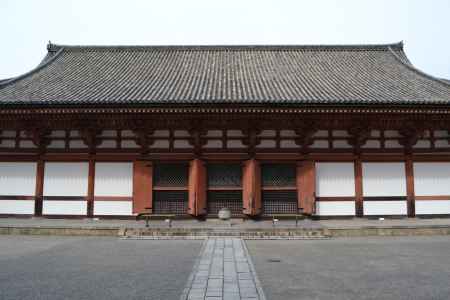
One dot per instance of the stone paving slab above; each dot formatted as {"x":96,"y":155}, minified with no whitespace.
{"x":224,"y":271}
{"x":401,"y":268}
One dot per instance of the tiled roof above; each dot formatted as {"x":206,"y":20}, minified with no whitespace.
{"x":343,"y":74}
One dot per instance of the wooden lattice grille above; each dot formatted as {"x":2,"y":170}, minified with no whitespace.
{"x":278,"y":175}
{"x":220,"y":199}
{"x":279,"y":193}
{"x":170,"y":202}
{"x":170,"y":175}
{"x":221,"y":175}
{"x":224,"y":188}
{"x":279,"y":202}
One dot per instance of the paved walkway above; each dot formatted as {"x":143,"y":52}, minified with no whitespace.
{"x":224,"y":271}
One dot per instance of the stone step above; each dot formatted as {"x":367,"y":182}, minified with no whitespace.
{"x":191,"y":233}
{"x":199,"y":237}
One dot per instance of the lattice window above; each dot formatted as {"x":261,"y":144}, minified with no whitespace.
{"x":279,"y":202}
{"x":170,"y":175}
{"x":229,"y":175}
{"x":279,"y":175}
{"x":170,"y":202}
{"x":220,"y":199}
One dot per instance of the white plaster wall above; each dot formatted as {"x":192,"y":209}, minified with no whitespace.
{"x":107,"y":144}
{"x":431,"y":178}
{"x":335,"y":208}
{"x":432,"y":207}
{"x":113,"y":208}
{"x":385,"y":208}
{"x":181,"y":144}
{"x":129,"y":144}
{"x":113,"y":179}
{"x":384,"y":179}
{"x":267,"y":144}
{"x":319,"y":144}
{"x":17,"y":178}
{"x":55,"y":207}
{"x":213,"y":144}
{"x":65,"y":179}
{"x":23,"y":207}
{"x":335,"y":179}
{"x":235,"y":144}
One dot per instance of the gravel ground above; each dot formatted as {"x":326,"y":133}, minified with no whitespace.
{"x":93,"y":268}
{"x":357,"y":268}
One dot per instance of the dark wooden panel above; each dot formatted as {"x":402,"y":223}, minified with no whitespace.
{"x":16,"y":197}
{"x":385,"y":198}
{"x":437,"y":197}
{"x":324,"y":199}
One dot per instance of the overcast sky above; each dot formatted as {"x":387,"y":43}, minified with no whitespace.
{"x":27,"y":25}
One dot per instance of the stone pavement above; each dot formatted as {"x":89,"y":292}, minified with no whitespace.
{"x":224,"y":271}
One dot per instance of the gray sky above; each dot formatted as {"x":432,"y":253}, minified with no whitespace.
{"x":27,"y":25}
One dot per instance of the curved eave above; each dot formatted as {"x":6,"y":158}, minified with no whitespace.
{"x":416,"y":70}
{"x":43,"y":64}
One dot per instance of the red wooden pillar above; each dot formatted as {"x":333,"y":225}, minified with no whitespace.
{"x":91,"y":183}
{"x":39,"y":191}
{"x":142,"y":186}
{"x":359,"y":198}
{"x":410,"y":195}
{"x":306,"y":186}
{"x":197,"y":188}
{"x":251,"y":187}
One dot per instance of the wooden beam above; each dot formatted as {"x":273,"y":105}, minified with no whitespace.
{"x":39,"y":191}
{"x":359,"y":197}
{"x":306,"y":186}
{"x":251,"y":187}
{"x":197,"y":188}
{"x":90,"y":193}
{"x":410,"y":196}
{"x":142,"y":186}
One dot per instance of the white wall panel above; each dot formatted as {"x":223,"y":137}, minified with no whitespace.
{"x":384,"y":208}
{"x":431,"y":178}
{"x":335,"y":208}
{"x":432,"y":207}
{"x":23,"y":207}
{"x":55,"y":207}
{"x":384,"y":179}
{"x":335,"y":179}
{"x":113,"y":208}
{"x":17,"y":178}
{"x":235,"y":144}
{"x":65,"y":179}
{"x":113,"y":179}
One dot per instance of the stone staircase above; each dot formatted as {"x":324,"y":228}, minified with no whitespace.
{"x":206,"y":233}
